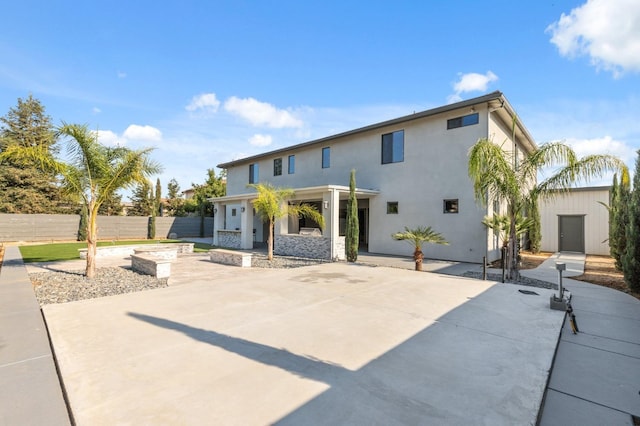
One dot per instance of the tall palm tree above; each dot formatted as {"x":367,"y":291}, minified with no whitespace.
{"x":417,"y":237}
{"x":93,"y":173}
{"x":271,"y":204}
{"x":498,"y":175}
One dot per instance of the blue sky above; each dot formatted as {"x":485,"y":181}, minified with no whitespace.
{"x":205,"y":82}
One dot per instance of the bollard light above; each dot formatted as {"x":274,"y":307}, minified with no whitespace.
{"x":560,"y":266}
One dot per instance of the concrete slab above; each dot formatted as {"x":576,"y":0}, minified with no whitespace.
{"x":30,"y":390}
{"x":562,"y":410}
{"x":326,"y":344}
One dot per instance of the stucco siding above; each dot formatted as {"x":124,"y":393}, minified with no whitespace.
{"x":578,"y":202}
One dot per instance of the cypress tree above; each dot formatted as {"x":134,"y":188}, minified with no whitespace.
{"x":535,"y":235}
{"x":352,"y":234}
{"x":621,"y":218}
{"x":613,"y":200}
{"x":631,"y":258}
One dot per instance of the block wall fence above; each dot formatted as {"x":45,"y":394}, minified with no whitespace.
{"x":59,"y":227}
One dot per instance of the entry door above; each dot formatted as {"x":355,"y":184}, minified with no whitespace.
{"x":571,"y":233}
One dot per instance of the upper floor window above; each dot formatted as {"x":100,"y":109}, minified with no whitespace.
{"x":392,"y":207}
{"x":393,"y":147}
{"x":292,"y":164}
{"x":277,"y":167}
{"x":466,"y":120}
{"x":326,"y":157}
{"x":253,"y":173}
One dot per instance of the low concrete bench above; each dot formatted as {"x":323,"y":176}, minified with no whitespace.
{"x":164,"y":251}
{"x":230,"y":257}
{"x":151,"y":265}
{"x":123,"y":251}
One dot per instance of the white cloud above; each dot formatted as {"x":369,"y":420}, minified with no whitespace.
{"x":96,"y":110}
{"x":204,"y":101}
{"x":608,"y":31}
{"x":260,"y":140}
{"x":603,"y":145}
{"x":471,"y":82}
{"x":142,"y":133}
{"x":109,"y":138}
{"x":261,"y":113}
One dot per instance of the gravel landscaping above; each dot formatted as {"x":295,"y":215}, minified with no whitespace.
{"x":61,"y":287}
{"x":531,"y":282}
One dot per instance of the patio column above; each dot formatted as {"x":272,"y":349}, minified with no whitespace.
{"x":281,"y":226}
{"x":246,"y":225}
{"x":219,"y":219}
{"x":331,"y":214}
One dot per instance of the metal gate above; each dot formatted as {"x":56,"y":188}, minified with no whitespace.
{"x":571,"y":233}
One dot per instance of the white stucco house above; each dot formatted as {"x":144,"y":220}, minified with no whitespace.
{"x":410,"y":171}
{"x":576,"y":221}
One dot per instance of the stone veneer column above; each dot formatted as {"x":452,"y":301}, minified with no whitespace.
{"x":246,"y":225}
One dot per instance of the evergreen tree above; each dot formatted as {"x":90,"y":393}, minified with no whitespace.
{"x":631,"y":258}
{"x":214,"y":186}
{"x":112,"y":205}
{"x":141,"y":200}
{"x":535,"y":234}
{"x":158,"y":198}
{"x":24,"y":187}
{"x":352,"y":234}
{"x":175,"y":203}
{"x":620,"y":207}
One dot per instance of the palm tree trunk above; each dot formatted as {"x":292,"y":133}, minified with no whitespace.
{"x":513,"y":248}
{"x":92,"y":242}
{"x":270,"y":241}
{"x":418,"y":256}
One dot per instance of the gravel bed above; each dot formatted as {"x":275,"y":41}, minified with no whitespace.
{"x":531,"y":282}
{"x":61,"y":287}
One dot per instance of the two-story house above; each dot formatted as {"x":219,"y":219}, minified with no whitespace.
{"x":410,"y":171}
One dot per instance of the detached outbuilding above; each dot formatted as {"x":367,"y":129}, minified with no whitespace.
{"x":576,"y":221}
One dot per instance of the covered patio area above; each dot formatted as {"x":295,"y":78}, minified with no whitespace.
{"x":236,"y":225}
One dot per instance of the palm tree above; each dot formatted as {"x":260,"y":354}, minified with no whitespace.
{"x":271,"y":204}
{"x":498,"y":175}
{"x":500,"y":224}
{"x":93,"y":173}
{"x":417,"y":237}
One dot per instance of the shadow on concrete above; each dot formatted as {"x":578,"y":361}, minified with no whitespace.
{"x":474,"y":362}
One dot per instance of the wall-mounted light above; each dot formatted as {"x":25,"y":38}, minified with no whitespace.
{"x":242,"y":209}
{"x":215,"y":210}
{"x":326,"y":204}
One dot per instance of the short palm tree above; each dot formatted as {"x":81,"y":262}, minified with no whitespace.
{"x":417,"y":237}
{"x":271,"y":204}
{"x":498,"y":175}
{"x":93,"y":173}
{"x":500,"y":224}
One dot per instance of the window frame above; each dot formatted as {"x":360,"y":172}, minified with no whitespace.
{"x":254,"y":173}
{"x":326,"y":157}
{"x":463,"y":121}
{"x":393,"y":141}
{"x":451,"y":210}
{"x":291,"y":164}
{"x":277,"y":166}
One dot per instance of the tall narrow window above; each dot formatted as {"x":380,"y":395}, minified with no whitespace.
{"x":326,"y":157}
{"x":292,"y":164}
{"x":253,"y":173}
{"x":277,"y":167}
{"x":393,"y":147}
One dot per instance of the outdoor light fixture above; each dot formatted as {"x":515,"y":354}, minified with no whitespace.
{"x":215,"y":210}
{"x":242,"y":209}
{"x":560,"y":302}
{"x":326,"y":204}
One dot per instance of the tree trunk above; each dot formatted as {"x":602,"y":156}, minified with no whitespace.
{"x":418,"y":256}
{"x":270,"y":241}
{"x":92,"y":242}
{"x":513,"y":249}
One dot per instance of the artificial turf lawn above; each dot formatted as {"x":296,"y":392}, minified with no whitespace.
{"x":69,"y":251}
